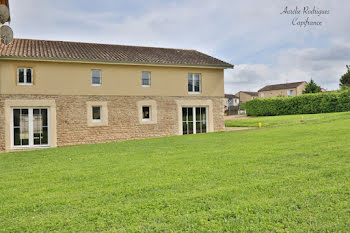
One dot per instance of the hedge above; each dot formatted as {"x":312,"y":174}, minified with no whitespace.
{"x":302,"y":104}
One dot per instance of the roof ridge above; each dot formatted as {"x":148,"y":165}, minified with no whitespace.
{"x":92,"y":43}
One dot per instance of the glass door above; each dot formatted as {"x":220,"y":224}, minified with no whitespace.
{"x":194,"y":120}
{"x":21,"y":127}
{"x":40,"y":127}
{"x":187,"y":120}
{"x":30,"y":127}
{"x":201,"y":120}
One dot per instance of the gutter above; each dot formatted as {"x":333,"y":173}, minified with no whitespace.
{"x":106,"y":62}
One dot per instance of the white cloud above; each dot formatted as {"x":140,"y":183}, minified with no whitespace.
{"x":325,"y":66}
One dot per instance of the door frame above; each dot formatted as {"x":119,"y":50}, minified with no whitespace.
{"x":29,"y":103}
{"x":31,"y":129}
{"x":208,"y":103}
{"x":194,"y":118}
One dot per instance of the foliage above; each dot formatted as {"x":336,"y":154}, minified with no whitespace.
{"x":345,"y":79}
{"x":312,"y":87}
{"x":293,"y":178}
{"x":302,"y":104}
{"x":242,"y":106}
{"x":287,"y":120}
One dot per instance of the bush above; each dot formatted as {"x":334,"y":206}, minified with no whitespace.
{"x":242,"y":106}
{"x":303,"y":104}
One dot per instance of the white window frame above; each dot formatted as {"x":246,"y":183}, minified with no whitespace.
{"x":149,"y":114}
{"x":25,"y":77}
{"x":149,"y":78}
{"x":230,"y":104}
{"x":193,"y":82}
{"x":30,"y":129}
{"x":290,"y":93}
{"x":92,"y":79}
{"x":195,"y":118}
{"x":262,"y":95}
{"x":92,"y":110}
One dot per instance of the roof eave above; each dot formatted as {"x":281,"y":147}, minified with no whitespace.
{"x":228,"y":66}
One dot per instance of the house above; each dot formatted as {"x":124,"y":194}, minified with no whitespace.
{"x":246,"y":95}
{"x":284,"y":89}
{"x":55,"y":93}
{"x":232,"y":100}
{"x":231,"y":104}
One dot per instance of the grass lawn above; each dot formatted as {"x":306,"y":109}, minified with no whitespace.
{"x":286,"y":178}
{"x":281,"y":121}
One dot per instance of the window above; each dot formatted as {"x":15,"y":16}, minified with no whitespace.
{"x":96,"y":78}
{"x":25,"y":76}
{"x":230,"y":102}
{"x":146,"y":113}
{"x":30,"y":127}
{"x":96,"y":113}
{"x":146,"y":79}
{"x":262,"y":95}
{"x":290,"y":93}
{"x":194,"y":83}
{"x":194,"y":120}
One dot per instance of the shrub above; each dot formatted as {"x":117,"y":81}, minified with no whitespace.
{"x":242,"y":106}
{"x":303,"y":104}
{"x":312,"y":87}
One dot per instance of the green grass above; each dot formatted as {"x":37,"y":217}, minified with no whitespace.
{"x":291,"y":178}
{"x":281,"y":121}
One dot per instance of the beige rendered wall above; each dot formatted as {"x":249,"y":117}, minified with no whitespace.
{"x":276,"y":93}
{"x":243,"y":97}
{"x":61,"y":78}
{"x":301,"y":88}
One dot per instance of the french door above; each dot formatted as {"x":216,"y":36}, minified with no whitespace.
{"x":194,"y":120}
{"x":30,"y":127}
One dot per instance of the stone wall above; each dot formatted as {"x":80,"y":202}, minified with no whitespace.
{"x":2,"y":125}
{"x":123,"y":118}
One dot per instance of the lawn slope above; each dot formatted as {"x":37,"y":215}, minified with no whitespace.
{"x":291,"y":177}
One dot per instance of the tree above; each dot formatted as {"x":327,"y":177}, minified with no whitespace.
{"x":312,"y":87}
{"x":345,"y":79}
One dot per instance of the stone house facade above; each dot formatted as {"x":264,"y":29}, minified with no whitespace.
{"x":284,"y":89}
{"x":56,"y":93}
{"x":244,"y":96}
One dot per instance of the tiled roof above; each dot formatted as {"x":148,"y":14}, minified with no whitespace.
{"x":281,"y":86}
{"x":251,"y":93}
{"x":76,"y":51}
{"x":230,"y":96}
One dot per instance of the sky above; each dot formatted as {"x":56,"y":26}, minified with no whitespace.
{"x":253,"y":35}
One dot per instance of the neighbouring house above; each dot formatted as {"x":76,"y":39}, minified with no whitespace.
{"x":284,"y":89}
{"x":55,"y":93}
{"x":246,"y":95}
{"x":232,"y":100}
{"x":231,"y":104}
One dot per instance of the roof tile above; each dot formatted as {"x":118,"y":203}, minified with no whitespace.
{"x":43,"y":49}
